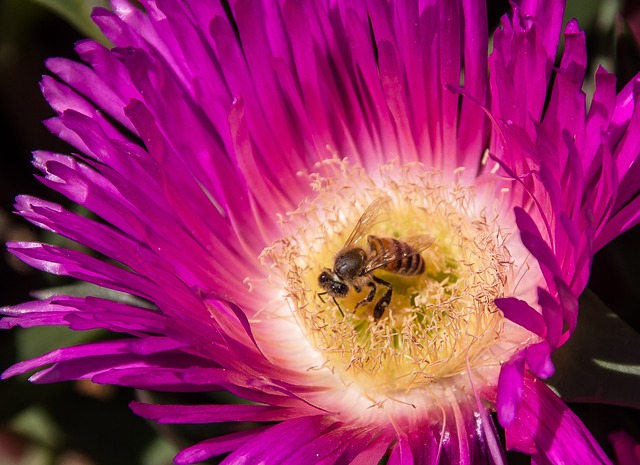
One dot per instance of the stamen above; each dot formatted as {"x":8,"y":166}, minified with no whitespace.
{"x":438,"y":321}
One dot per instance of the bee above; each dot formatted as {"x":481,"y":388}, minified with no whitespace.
{"x":353,"y":265}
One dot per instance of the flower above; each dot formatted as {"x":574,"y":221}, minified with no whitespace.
{"x":626,"y":449}
{"x":230,"y":155}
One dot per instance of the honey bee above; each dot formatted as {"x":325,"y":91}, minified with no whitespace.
{"x":354,"y":266}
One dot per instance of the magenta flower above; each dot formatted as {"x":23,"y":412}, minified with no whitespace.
{"x":229,"y":156}
{"x":626,"y":449}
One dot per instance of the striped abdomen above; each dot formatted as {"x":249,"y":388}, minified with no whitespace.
{"x":400,"y":257}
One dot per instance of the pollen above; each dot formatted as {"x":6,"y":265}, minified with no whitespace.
{"x":438,"y":322}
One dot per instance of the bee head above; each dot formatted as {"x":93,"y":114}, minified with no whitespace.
{"x":332,"y":284}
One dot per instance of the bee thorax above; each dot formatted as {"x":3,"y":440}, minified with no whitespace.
{"x":349,"y":264}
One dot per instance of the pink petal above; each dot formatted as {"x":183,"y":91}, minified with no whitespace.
{"x":178,"y":414}
{"x":510,"y":389}
{"x":217,"y":446}
{"x":538,"y":358}
{"x":374,"y":451}
{"x":548,"y":428}
{"x":278,"y":443}
{"x":626,"y":448}
{"x":521,"y":313}
{"x":401,"y":453}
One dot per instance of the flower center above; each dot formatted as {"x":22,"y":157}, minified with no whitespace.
{"x":393,"y":280}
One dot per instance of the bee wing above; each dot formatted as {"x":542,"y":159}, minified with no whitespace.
{"x":419,"y":242}
{"x":373,"y":215}
{"x":416,"y":245}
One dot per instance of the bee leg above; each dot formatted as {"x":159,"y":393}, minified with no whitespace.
{"x":320,"y":294}
{"x":384,"y":301}
{"x":369,"y":297}
{"x":338,"y":305}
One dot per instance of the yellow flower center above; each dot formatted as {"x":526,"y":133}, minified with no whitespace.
{"x":438,"y":322}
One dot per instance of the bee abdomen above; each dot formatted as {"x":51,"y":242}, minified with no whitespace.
{"x":407,"y":262}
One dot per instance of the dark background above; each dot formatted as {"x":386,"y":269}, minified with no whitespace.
{"x":82,"y":424}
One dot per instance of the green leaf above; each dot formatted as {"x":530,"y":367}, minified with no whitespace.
{"x":159,"y":451}
{"x":601,"y":361}
{"x":83,"y":289}
{"x":36,"y":424}
{"x":77,"y":12}
{"x":33,"y":342}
